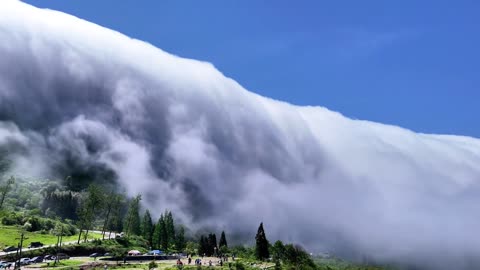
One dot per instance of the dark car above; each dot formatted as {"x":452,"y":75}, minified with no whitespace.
{"x":38,"y":259}
{"x":107,"y":254}
{"x":48,"y":257}
{"x":35,"y":245}
{"x":94,"y":255}
{"x":9,"y":249}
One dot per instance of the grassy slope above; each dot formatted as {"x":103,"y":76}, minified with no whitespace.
{"x":9,"y":235}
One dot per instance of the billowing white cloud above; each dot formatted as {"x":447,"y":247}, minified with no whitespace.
{"x":189,"y":139}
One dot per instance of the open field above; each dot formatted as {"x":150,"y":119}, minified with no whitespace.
{"x":9,"y":236}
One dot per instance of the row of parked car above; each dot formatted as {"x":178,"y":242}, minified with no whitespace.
{"x":38,"y":259}
{"x":32,"y":245}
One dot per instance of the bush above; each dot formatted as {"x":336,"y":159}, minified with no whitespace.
{"x":239,"y":266}
{"x":12,"y":218}
{"x":152,"y":265}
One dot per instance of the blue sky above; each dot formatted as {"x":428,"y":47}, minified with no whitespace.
{"x":410,"y":63}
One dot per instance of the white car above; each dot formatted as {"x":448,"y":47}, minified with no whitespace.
{"x":24,"y":261}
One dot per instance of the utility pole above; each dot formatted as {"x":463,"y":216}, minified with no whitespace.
{"x":58,"y":245}
{"x":22,"y":237}
{"x":61,"y":237}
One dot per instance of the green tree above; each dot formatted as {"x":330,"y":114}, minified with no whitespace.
{"x":160,"y":238}
{"x":4,"y":189}
{"x":262,"y":245}
{"x":180,"y":239}
{"x":192,"y":248}
{"x":211,"y":244}
{"x":115,"y":222}
{"x":223,"y":240}
{"x":89,"y":209}
{"x":298,"y":258}
{"x":132,"y":222}
{"x":203,"y":246}
{"x":170,"y":228}
{"x":156,"y":243}
{"x":147,"y":227}
{"x":278,"y":251}
{"x":110,"y":200}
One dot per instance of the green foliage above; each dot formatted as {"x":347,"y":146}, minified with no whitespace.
{"x":202,"y":246}
{"x":60,"y":202}
{"x":212,"y":244}
{"x":5,"y":188}
{"x":132,"y":222}
{"x":9,"y":237}
{"x":262,"y":245}
{"x":239,"y":266}
{"x":223,"y":240}
{"x":147,"y":226}
{"x":36,"y":223}
{"x":91,"y":206}
{"x":160,"y":238}
{"x":278,"y":251}
{"x":152,"y":265}
{"x":243,"y":252}
{"x":208,"y":245}
{"x":180,"y":243}
{"x":293,"y":256}
{"x":191,"y":248}
{"x":333,"y":263}
{"x":170,"y":228}
{"x":115,"y":221}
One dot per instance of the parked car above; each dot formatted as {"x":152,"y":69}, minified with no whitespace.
{"x":35,"y":245}
{"x":24,"y":261}
{"x":108,"y":254}
{"x":48,"y":257}
{"x":4,"y":264}
{"x":94,"y":255}
{"x":9,"y":249}
{"x":38,"y":259}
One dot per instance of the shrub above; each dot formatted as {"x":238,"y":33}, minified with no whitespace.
{"x":152,"y":265}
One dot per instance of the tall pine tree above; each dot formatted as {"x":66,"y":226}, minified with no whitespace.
{"x":132,"y":223}
{"x":147,"y":227}
{"x":170,"y":228}
{"x":180,"y":242}
{"x":156,"y":238}
{"x":163,"y":235}
{"x":212,"y":244}
{"x":202,"y":246}
{"x":261,"y":247}
{"x":223,"y":240}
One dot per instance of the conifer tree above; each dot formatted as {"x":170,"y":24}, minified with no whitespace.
{"x":203,"y":246}
{"x":223,"y":240}
{"x":156,"y":242}
{"x":115,"y":223}
{"x":261,"y":247}
{"x":147,"y":227}
{"x":180,"y":239}
{"x":211,"y":244}
{"x":162,"y":233}
{"x":170,"y":228}
{"x":132,"y":223}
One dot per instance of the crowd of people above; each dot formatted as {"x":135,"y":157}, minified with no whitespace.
{"x":199,"y":261}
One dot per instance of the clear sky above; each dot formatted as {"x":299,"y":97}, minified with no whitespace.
{"x":410,"y":63}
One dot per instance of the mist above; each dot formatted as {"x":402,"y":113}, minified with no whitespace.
{"x":77,"y":96}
